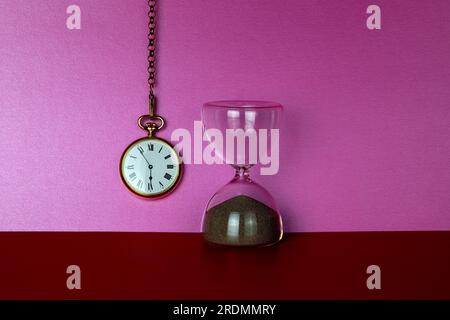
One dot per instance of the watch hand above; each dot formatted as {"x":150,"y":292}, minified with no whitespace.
{"x":150,"y":167}
{"x":142,"y":153}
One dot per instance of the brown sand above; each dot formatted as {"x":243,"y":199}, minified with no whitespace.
{"x":242,"y":221}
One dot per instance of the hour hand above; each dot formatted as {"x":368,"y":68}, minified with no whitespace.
{"x":151,"y":178}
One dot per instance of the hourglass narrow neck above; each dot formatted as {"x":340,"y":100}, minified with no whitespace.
{"x":242,"y":173}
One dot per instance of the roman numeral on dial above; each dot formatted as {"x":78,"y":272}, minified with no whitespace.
{"x":133,"y":176}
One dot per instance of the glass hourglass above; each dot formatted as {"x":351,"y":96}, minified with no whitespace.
{"x":241,"y":213}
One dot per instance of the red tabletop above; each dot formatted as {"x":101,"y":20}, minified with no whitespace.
{"x":414,"y":265}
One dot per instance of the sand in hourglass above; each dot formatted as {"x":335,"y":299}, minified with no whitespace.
{"x":242,"y":221}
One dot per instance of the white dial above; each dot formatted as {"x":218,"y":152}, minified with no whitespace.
{"x":150,"y":167}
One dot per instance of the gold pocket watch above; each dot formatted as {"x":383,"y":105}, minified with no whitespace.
{"x":150,"y":166}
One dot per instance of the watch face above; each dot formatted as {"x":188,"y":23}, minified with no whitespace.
{"x":150,"y":167}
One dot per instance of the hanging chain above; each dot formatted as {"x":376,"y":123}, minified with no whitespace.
{"x":151,"y":54}
{"x":151,"y":122}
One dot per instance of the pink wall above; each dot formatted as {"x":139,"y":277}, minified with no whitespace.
{"x":365,"y":145}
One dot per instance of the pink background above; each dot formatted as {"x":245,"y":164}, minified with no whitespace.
{"x":365,"y":144}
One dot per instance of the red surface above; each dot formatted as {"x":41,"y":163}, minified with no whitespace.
{"x":414,"y":265}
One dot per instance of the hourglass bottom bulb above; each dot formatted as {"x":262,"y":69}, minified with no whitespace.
{"x":242,"y":221}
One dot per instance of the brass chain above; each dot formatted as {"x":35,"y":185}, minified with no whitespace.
{"x":151,"y":122}
{"x":151,"y":55}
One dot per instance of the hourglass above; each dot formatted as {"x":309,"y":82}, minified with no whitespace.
{"x":241,"y":213}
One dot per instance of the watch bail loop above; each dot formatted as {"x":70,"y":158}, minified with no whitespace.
{"x":150,"y":123}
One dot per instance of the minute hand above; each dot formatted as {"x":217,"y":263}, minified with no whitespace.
{"x":142,"y":153}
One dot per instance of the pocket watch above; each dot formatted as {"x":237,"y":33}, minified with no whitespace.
{"x":150,"y":167}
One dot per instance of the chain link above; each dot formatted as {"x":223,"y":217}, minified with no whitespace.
{"x":151,"y":122}
{"x":151,"y":50}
